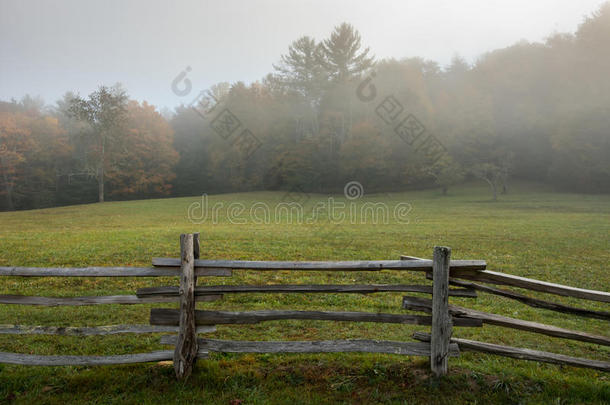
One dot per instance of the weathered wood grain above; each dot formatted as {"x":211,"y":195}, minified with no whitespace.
{"x":441,"y":319}
{"x":86,"y":271}
{"x":521,"y":353}
{"x":35,"y":360}
{"x":106,"y":271}
{"x":493,"y":277}
{"x":457,"y":266}
{"x":171,"y":291}
{"x":405,"y":257}
{"x":165,"y":316}
{"x":324,"y":346}
{"x":98,"y":300}
{"x":196,"y":251}
{"x":185,"y":353}
{"x":92,"y":330}
{"x":422,"y":304}
{"x":532,"y":302}
{"x":211,"y":272}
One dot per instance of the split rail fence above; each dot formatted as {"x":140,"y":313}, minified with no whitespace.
{"x":459,"y":278}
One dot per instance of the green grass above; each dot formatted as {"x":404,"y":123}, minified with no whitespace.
{"x":531,"y":232}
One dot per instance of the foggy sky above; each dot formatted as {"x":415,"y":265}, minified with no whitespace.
{"x":50,"y":47}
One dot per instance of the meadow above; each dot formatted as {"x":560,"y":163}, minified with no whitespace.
{"x":532,"y":231}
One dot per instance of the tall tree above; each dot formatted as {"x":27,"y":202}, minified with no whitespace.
{"x":33,"y":150}
{"x":300,"y":69}
{"x":143,"y":165}
{"x":15,"y":139}
{"x":105,"y":111}
{"x":341,"y":54}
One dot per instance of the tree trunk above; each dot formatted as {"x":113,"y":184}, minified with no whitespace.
{"x":100,"y":184}
{"x":100,"y":175}
{"x":493,"y":187}
{"x":9,"y":196}
{"x":9,"y":190}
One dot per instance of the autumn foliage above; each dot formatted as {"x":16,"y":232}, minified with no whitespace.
{"x":532,"y":111}
{"x":44,"y":163}
{"x":141,"y":165}
{"x":33,"y":147}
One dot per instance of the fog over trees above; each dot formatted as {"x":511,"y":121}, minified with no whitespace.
{"x":329,"y":113}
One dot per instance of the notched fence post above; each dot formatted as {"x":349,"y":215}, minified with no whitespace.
{"x":185,"y":353}
{"x":441,"y":319}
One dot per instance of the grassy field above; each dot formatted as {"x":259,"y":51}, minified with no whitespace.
{"x":531,"y":232}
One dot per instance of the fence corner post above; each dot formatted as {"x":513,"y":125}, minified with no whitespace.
{"x":185,"y":353}
{"x":441,"y":319}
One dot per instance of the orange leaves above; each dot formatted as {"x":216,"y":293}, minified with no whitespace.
{"x":143,"y":162}
{"x":15,"y":141}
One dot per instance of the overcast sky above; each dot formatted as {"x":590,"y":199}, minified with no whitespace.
{"x":50,"y":47}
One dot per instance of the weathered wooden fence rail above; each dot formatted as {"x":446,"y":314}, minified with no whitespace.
{"x":188,"y":323}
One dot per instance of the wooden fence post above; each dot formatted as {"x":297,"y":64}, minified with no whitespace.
{"x":441,"y":319}
{"x":196,"y":245}
{"x":185,"y":353}
{"x":196,"y":250}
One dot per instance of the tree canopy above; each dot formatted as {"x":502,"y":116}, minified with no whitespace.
{"x":531,"y":111}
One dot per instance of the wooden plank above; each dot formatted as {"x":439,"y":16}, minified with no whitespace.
{"x":405,"y":257}
{"x":493,"y":277}
{"x":106,"y":272}
{"x":422,"y":304}
{"x":324,"y":346}
{"x":97,"y":300}
{"x":35,"y":360}
{"x":211,"y":272}
{"x":205,"y":271}
{"x":171,"y":291}
{"x":533,"y":302}
{"x":185,"y":353}
{"x":165,"y":316}
{"x":441,"y":320}
{"x":521,"y":354}
{"x":457,"y":266}
{"x":92,"y":330}
{"x":86,"y":271}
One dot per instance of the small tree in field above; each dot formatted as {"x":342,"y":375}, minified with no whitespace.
{"x":488,"y":158}
{"x":105,"y":111}
{"x":495,"y":172}
{"x":446,"y":172}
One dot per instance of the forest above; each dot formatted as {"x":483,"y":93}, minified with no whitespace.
{"x":328,"y":113}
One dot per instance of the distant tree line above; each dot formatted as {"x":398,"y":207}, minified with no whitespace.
{"x":81,"y":150}
{"x":532,"y":111}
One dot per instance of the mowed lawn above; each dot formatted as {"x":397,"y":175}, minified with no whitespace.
{"x":532,"y":231}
